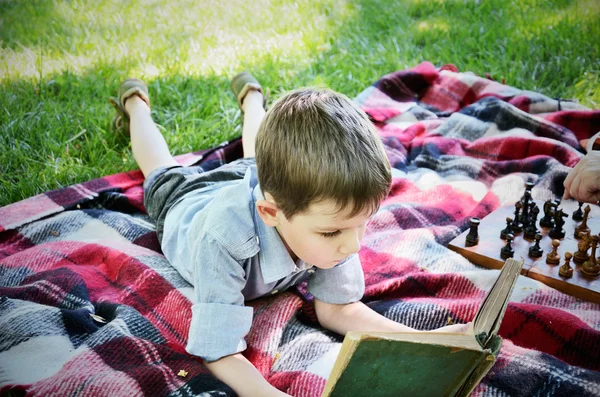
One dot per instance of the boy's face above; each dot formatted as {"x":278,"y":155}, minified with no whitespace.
{"x":321,"y":236}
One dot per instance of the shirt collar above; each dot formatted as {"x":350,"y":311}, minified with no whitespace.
{"x":275,"y":261}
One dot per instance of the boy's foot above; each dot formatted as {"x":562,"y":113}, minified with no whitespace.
{"x":128,"y":89}
{"x":242,"y":84}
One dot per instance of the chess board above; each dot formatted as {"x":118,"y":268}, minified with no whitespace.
{"x":487,"y":252}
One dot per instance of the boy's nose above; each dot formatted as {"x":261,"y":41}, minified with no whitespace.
{"x":351,"y":244}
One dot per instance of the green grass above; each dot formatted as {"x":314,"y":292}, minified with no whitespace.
{"x":61,"y":60}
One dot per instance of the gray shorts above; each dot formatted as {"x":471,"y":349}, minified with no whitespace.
{"x":165,"y":186}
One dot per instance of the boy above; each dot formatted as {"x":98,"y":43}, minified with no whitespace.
{"x":256,"y":227}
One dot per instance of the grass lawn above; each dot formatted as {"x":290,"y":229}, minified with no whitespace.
{"x":61,"y":60}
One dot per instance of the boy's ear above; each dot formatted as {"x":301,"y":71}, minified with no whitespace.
{"x":267,"y":212}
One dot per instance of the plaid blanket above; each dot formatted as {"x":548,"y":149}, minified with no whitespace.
{"x":89,"y":306}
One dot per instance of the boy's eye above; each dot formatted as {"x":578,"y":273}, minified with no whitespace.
{"x":330,"y":234}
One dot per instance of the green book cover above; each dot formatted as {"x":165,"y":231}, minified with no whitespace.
{"x":381,"y":364}
{"x":382,"y":368}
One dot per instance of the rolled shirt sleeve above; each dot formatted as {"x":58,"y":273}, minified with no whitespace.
{"x":343,"y":283}
{"x":220,"y":321}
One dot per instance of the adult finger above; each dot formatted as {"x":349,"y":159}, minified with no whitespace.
{"x":568,"y":182}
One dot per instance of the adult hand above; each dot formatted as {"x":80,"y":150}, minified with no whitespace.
{"x":583,"y":182}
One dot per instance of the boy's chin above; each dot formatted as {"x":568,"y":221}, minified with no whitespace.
{"x":327,"y":265}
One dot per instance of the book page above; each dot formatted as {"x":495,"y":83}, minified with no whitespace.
{"x":490,"y":313}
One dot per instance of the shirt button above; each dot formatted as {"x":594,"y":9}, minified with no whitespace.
{"x":257,"y":240}
{"x":311,"y":271}
{"x":274,"y":292}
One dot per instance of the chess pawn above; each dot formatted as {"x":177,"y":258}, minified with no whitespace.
{"x":535,"y":251}
{"x":517,"y":226}
{"x":507,"y":251}
{"x":583,"y":227}
{"x":578,"y":213}
{"x":583,"y":245}
{"x":591,"y":266}
{"x":472,"y":238}
{"x":553,"y":258}
{"x":548,"y":219}
{"x":566,"y":270}
{"x":508,"y":230}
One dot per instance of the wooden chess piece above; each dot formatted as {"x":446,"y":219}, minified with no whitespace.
{"x":508,"y":230}
{"x":531,"y":230}
{"x":472,"y":238}
{"x":553,"y":258}
{"x":566,"y":270}
{"x":578,"y":213}
{"x":507,"y":251}
{"x":517,"y":226}
{"x":528,"y":186}
{"x":583,"y":245}
{"x":535,"y":251}
{"x":548,"y":219}
{"x":591,"y":266}
{"x":526,"y":206}
{"x":583,"y":227}
{"x":557,"y":231}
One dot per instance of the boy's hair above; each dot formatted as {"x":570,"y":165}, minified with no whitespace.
{"x":316,"y":144}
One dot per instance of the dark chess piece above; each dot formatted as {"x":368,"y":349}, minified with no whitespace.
{"x":557,"y":231}
{"x":553,"y":258}
{"x":527,"y":193}
{"x":578,"y":213}
{"x":535,"y":251}
{"x":566,"y":270}
{"x":507,"y":251}
{"x":472,"y":238}
{"x":531,"y":230}
{"x":517,"y":226}
{"x":583,"y":227}
{"x":583,"y":245}
{"x":525,"y":200}
{"x":508,"y":229}
{"x":548,"y":219}
{"x":591,"y":266}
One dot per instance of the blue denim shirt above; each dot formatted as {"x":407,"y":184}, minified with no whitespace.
{"x":218,"y":243}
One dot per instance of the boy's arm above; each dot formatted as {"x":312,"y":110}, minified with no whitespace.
{"x":239,"y":374}
{"x":359,"y":317}
{"x":355,"y":317}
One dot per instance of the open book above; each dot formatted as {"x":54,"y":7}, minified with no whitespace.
{"x":424,"y":363}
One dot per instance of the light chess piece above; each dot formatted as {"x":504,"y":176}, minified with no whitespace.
{"x":591,"y":266}
{"x":472,"y":238}
{"x":553,"y":258}
{"x":583,"y":245}
{"x":507,"y":251}
{"x":583,"y":227}
{"x":566,"y":270}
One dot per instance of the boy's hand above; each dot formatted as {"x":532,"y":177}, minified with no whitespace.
{"x":455,"y":328}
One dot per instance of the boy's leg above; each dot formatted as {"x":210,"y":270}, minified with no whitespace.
{"x":149,"y":147}
{"x":253,"y":114}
